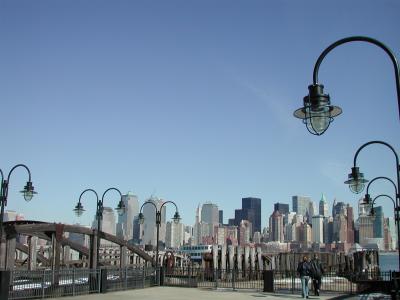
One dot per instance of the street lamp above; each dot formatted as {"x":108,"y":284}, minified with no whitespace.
{"x":356,"y":179}
{"x":28,"y":193}
{"x":396,"y":218}
{"x":99,"y":212}
{"x":317,"y":112}
{"x":176,"y":219}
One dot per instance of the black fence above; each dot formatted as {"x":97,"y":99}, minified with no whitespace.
{"x":71,"y":282}
{"x":276,"y":281}
{"x":208,"y":278}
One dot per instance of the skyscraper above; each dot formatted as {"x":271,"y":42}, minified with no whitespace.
{"x":148,"y":228}
{"x":282,"y":208}
{"x":221,"y":216}
{"x":378,"y":222}
{"x":125,"y":222}
{"x":301,"y":204}
{"x":251,"y":211}
{"x":323,"y":206}
{"x":318,"y":229}
{"x":276,"y":227}
{"x":209,"y":213}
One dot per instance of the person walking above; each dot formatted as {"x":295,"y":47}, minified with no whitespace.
{"x":304,"y":271}
{"x":317,"y":272}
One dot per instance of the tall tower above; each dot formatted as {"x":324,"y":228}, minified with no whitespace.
{"x":301,"y":205}
{"x":209,"y":213}
{"x":276,"y":226}
{"x":148,"y":228}
{"x":317,"y":229}
{"x":125,"y":222}
{"x":323,"y":206}
{"x":251,"y":211}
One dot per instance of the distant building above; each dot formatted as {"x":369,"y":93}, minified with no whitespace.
{"x":125,"y":221}
{"x":318,"y":229}
{"x":148,"y":229}
{"x":323,"y":206}
{"x":378,"y":222}
{"x":251,"y":211}
{"x":221,"y":216}
{"x":245,"y":230}
{"x":174,"y":235}
{"x":209,"y":213}
{"x":301,"y":204}
{"x":282,"y":208}
{"x":276,"y":226}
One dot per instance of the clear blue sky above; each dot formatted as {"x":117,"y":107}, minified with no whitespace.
{"x":191,"y":101}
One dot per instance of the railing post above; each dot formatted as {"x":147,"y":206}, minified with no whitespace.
{"x":4,"y":284}
{"x":233,"y":278}
{"x":126,"y":278}
{"x":293,"y":273}
{"x":73,"y":282}
{"x":43,"y":281}
{"x":102,"y":281}
{"x":268,"y":276}
{"x":144,"y":276}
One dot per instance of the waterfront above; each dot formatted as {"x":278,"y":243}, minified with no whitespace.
{"x":388,"y":261}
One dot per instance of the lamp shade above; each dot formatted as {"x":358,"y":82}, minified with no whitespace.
{"x":356,"y":181}
{"x":317,"y":113}
{"x":79,"y":209}
{"x":28,"y":191}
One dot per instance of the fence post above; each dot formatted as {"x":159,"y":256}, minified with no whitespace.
{"x":233,"y":278}
{"x":103,"y":281}
{"x":4,"y":284}
{"x":216,"y":278}
{"x":162,"y":271}
{"x":293,"y":280}
{"x":73,"y":282}
{"x":43,"y":281}
{"x":268,"y":276}
{"x":144,"y":277}
{"x":126,"y":278}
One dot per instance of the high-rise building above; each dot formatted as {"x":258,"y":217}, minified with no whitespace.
{"x":338,"y":207}
{"x":148,"y":230}
{"x":276,"y":227}
{"x":209,"y":213}
{"x":125,"y":221}
{"x":251,"y":211}
{"x":282,"y":208}
{"x":378,"y":222}
{"x":301,"y":204}
{"x":244,"y":232}
{"x":365,"y":229}
{"x":174,"y":235}
{"x":318,"y":229}
{"x":328,"y":230}
{"x":221,"y":216}
{"x":9,"y":215}
{"x":350,"y":225}
{"x":323,"y":206}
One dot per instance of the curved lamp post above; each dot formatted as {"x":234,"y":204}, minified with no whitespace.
{"x":176,"y":219}
{"x":396,"y":218}
{"x":356,"y":180}
{"x":99,"y":212}
{"x":317,"y":112}
{"x":28,"y":193}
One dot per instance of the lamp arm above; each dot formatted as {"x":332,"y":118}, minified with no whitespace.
{"x":382,"y":177}
{"x":395,"y":154}
{"x":110,"y":189}
{"x":148,"y":202}
{"x":361,"y":39}
{"x":394,"y":204}
{"x":176,"y":207}
{"x":89,"y":190}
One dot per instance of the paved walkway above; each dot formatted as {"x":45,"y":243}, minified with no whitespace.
{"x":176,"y":293}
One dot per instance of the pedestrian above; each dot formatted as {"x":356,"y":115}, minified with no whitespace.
{"x":304,"y":271}
{"x":317,"y":271}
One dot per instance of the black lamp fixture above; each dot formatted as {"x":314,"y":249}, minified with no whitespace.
{"x":317,"y":112}
{"x":28,"y":193}
{"x":356,"y":180}
{"x":158,"y":211}
{"x":79,"y":210}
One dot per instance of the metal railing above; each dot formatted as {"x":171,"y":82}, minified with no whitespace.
{"x":72,"y":282}
{"x":50,"y":284}
{"x":208,"y":278}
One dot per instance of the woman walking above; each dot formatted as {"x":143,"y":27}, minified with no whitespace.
{"x":304,"y":270}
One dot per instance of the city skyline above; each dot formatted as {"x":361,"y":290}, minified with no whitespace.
{"x":191,"y":102}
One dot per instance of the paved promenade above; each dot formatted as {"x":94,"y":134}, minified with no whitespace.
{"x":176,"y":293}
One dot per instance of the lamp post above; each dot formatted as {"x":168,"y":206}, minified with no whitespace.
{"x":317,"y":112}
{"x":28,"y":193}
{"x":176,"y":219}
{"x":357,"y":182}
{"x":396,"y":218}
{"x":99,"y":212}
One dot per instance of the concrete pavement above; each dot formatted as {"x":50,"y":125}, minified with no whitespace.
{"x":181,"y":293}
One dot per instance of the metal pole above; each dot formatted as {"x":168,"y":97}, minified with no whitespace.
{"x":158,"y":221}
{"x":3,"y":200}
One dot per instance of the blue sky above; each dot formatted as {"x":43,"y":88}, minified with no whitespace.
{"x":191,"y":101}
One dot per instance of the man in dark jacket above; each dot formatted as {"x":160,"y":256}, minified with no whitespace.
{"x":316,"y":272}
{"x":304,"y":271}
